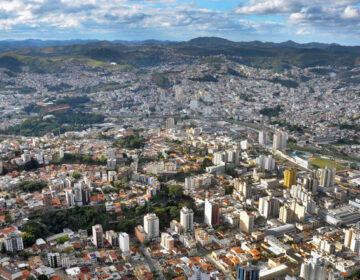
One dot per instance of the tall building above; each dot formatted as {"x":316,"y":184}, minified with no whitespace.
{"x":47,"y":199}
{"x":290,"y":176}
{"x":246,"y":222}
{"x":113,"y":238}
{"x":82,"y":194}
{"x":212,"y":213}
{"x":291,"y":212}
{"x":247,"y":273}
{"x":262,"y":138}
{"x":69,"y":195}
{"x":97,"y":236}
{"x":124,"y":242}
{"x":187,"y":219}
{"x":265,"y":162}
{"x":170,"y":123}
{"x":310,"y":184}
{"x":327,"y":177}
{"x":151,"y":226}
{"x":313,"y":269}
{"x":167,"y":241}
{"x":241,"y":188}
{"x":219,"y":157}
{"x":279,"y":140}
{"x":14,"y":242}
{"x":352,"y":240}
{"x":54,"y":260}
{"x":268,"y":207}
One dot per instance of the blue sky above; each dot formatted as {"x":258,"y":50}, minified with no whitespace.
{"x":239,"y":20}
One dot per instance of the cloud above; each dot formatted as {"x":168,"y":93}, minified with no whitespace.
{"x":309,"y":17}
{"x":351,"y":12}
{"x":175,"y":19}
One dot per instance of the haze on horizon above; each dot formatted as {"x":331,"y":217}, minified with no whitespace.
{"x":328,"y":21}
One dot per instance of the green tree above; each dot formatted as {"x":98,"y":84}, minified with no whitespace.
{"x":29,"y":239}
{"x":176,"y":191}
{"x":229,"y":189}
{"x":8,"y":219}
{"x":42,"y":277}
{"x":76,"y":176}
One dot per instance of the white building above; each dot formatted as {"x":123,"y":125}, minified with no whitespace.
{"x":268,"y":206}
{"x":211,"y":216}
{"x":151,"y":226}
{"x":124,"y":241}
{"x":262,"y":138}
{"x":187,"y":219}
{"x":170,"y":123}
{"x":54,"y":260}
{"x":313,"y":269}
{"x":327,"y":177}
{"x":265,"y":162}
{"x":279,"y":140}
{"x":14,"y":242}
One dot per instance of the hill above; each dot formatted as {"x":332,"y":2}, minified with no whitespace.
{"x":275,"y":56}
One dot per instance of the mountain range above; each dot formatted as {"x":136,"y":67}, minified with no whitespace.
{"x":50,"y":56}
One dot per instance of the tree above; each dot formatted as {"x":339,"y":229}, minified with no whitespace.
{"x":229,"y":189}
{"x":42,"y":277}
{"x":29,"y":239}
{"x":62,"y":239}
{"x":8,"y":219}
{"x":76,"y":176}
{"x":176,"y":191}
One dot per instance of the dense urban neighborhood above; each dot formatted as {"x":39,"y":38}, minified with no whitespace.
{"x":194,"y":167}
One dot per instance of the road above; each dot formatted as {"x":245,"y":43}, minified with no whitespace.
{"x":153,"y":264}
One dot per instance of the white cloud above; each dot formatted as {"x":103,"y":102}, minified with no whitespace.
{"x":351,"y":12}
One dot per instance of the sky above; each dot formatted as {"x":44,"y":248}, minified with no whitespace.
{"x":328,"y":21}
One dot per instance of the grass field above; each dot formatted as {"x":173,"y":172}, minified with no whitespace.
{"x":323,"y":162}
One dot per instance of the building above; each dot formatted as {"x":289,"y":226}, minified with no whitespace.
{"x":14,"y":242}
{"x":310,"y":184}
{"x":242,"y":189}
{"x":82,"y":194}
{"x":268,"y":207}
{"x":212,"y":213}
{"x":113,"y":238}
{"x":97,"y":237}
{"x":292,"y":211}
{"x":219,"y":157}
{"x":10,"y":272}
{"x":327,"y":177}
{"x":352,"y":240}
{"x":265,"y":162}
{"x":279,"y":140}
{"x":246,"y":222}
{"x":69,"y":195}
{"x":54,"y":260}
{"x":262,"y":138}
{"x":47,"y":199}
{"x":151,"y":226}
{"x":247,"y":273}
{"x":170,"y":123}
{"x":140,"y":233}
{"x":313,"y":269}
{"x":187,"y":219}
{"x":290,"y":176}
{"x":167,"y":241}
{"x":124,"y":242}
